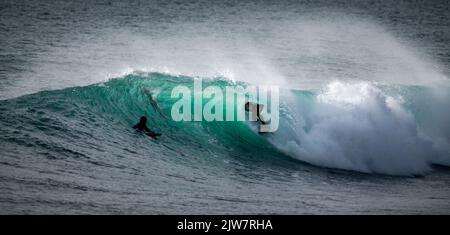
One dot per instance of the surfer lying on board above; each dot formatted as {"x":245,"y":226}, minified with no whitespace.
{"x":255,"y":108}
{"x":141,"y":126}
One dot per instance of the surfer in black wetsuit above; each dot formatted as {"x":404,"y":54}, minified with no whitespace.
{"x":254,"y":107}
{"x":141,"y":126}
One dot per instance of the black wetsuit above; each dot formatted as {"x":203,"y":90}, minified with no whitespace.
{"x":141,"y":126}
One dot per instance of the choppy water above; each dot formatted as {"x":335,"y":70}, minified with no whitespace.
{"x":364,"y":114}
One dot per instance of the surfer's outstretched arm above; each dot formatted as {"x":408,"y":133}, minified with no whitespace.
{"x":153,"y":134}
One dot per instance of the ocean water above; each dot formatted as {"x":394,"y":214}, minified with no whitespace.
{"x":364,"y":107}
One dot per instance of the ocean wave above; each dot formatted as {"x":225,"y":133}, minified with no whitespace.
{"x":358,"y":126}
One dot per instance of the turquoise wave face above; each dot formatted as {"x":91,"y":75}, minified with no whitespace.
{"x":92,"y":121}
{"x":394,"y":130}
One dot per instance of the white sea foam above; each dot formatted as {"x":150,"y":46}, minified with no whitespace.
{"x":355,"y":126}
